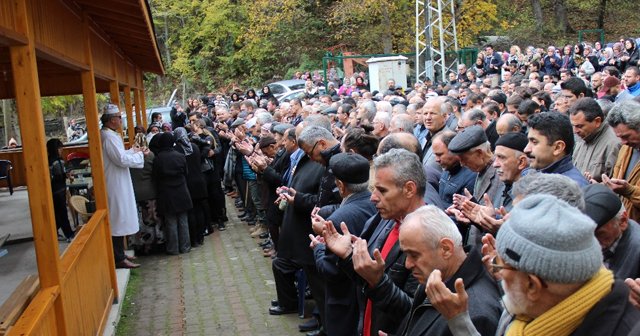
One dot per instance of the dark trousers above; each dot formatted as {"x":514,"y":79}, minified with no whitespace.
{"x":60,"y":211}
{"x":216,"y":195}
{"x":198,"y":218}
{"x":118,"y":248}
{"x":284,"y":274}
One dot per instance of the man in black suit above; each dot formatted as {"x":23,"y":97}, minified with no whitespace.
{"x":351,"y":173}
{"x":399,"y":189}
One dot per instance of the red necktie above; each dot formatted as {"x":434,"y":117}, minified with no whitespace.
{"x":392,"y":238}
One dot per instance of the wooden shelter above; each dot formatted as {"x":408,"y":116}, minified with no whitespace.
{"x":62,"y":47}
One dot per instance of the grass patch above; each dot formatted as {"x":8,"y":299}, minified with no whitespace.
{"x":129,"y":307}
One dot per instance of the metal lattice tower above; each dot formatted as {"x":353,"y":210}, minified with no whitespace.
{"x":436,"y":39}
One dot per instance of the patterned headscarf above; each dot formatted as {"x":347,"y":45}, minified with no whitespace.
{"x":182,"y":140}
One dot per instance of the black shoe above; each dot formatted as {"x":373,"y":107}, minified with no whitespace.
{"x":225,"y":219}
{"x":248,"y":219}
{"x":243,"y":215}
{"x":277,"y":310}
{"x":221,"y":227}
{"x":264,"y":235}
{"x":265,"y":243}
{"x":251,"y":222}
{"x":310,"y":325}
{"x":274,"y":303}
{"x":317,"y":332}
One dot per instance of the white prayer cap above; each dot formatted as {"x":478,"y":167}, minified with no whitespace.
{"x":112,"y":109}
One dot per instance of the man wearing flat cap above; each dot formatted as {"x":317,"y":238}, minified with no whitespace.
{"x":123,"y":214}
{"x":474,"y":150}
{"x":352,"y":180}
{"x":551,"y":271}
{"x":510,"y":162}
{"x":618,"y":235}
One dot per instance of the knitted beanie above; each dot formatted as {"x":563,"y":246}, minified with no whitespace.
{"x":547,"y":237}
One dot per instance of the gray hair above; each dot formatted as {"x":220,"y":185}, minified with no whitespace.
{"x":384,"y":106}
{"x":556,"y":185}
{"x":318,"y":120}
{"x":435,"y":225}
{"x":383,"y":117}
{"x":626,"y":112}
{"x":313,"y":134}
{"x":605,"y":105}
{"x":264,"y":118}
{"x":370,"y":109}
{"x":402,"y":121}
{"x":406,"y":166}
{"x":512,"y":121}
{"x":399,"y":109}
{"x":355,"y":188}
{"x":475,"y":115}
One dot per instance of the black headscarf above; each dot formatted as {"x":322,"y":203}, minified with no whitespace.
{"x":166,"y":141}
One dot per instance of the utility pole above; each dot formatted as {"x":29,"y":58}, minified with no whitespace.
{"x":436,"y":36}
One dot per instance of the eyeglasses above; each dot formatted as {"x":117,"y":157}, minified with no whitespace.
{"x":313,"y":148}
{"x":496,"y":267}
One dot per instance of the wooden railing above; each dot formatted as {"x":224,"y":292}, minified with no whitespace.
{"x":86,"y":294}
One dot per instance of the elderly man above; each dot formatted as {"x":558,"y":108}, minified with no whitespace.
{"x":352,"y":175}
{"x":473,"y":148}
{"x":618,"y":235}
{"x":625,"y":179}
{"x":510,"y":162}
{"x":399,"y":188}
{"x":507,"y":123}
{"x":434,"y":118}
{"x":596,"y":150}
{"x":552,"y":276}
{"x":123,"y":214}
{"x":455,"y":178}
{"x":381,"y":123}
{"x":550,"y":145}
{"x":433,"y":246}
{"x":401,"y":123}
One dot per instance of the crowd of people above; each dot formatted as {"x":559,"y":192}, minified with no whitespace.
{"x":504,"y":201}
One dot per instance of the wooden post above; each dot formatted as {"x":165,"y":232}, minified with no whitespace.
{"x":130,"y":124}
{"x":136,"y":100}
{"x":95,"y":150}
{"x":143,"y":108}
{"x":27,"y":91}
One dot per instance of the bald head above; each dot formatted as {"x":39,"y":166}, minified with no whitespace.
{"x":508,"y":123}
{"x":399,"y":140}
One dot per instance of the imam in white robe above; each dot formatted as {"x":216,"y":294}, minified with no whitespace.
{"x":123,"y":214}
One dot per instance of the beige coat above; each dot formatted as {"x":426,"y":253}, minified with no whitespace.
{"x":597,"y":153}
{"x":631,"y":195}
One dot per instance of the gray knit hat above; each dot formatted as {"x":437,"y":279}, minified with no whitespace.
{"x":547,"y":237}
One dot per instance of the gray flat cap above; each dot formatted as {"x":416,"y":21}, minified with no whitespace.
{"x":281,"y":128}
{"x":238,"y":122}
{"x":469,"y":137}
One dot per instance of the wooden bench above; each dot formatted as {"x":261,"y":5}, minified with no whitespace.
{"x":11,"y":309}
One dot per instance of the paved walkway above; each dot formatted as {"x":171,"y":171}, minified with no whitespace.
{"x":222,"y":288}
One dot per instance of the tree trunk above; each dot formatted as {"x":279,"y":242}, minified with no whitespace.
{"x":602,"y":8}
{"x":537,"y":14}
{"x":562,"y":21}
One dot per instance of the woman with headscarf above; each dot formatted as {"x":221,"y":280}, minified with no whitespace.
{"x":144,"y":189}
{"x":59,"y":187}
{"x":170,"y":176}
{"x":632,"y":51}
{"x":166,"y":127}
{"x":199,"y":215}
{"x":210,"y":147}
{"x":618,"y":59}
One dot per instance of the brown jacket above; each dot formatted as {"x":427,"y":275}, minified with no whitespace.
{"x":631,"y":195}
